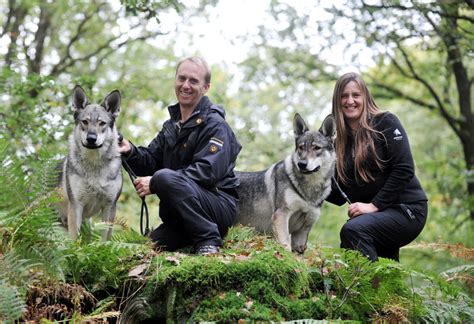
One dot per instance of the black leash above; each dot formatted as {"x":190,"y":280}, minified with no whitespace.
{"x":144,"y":209}
{"x":341,"y":191}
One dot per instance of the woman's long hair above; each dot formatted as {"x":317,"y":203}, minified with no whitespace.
{"x":364,"y":147}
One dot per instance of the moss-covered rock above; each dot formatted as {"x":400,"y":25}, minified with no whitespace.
{"x":255,"y":279}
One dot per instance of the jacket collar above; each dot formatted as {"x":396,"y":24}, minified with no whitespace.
{"x":197,"y":117}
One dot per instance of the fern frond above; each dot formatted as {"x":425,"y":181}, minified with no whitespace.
{"x":28,"y":222}
{"x":12,"y":305}
{"x":464,"y":273}
{"x":103,"y":316}
{"x":14,"y":182}
{"x":448,"y":310}
{"x":457,"y":250}
{"x":15,"y":270}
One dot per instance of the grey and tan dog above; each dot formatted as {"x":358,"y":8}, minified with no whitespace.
{"x":91,"y":177}
{"x":286,"y":198}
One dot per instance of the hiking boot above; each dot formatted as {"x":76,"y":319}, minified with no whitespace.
{"x":207,"y":249}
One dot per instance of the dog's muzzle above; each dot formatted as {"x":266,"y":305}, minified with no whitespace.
{"x":304,"y":171}
{"x":92,"y":147}
{"x":302,"y":165}
{"x":91,"y":141}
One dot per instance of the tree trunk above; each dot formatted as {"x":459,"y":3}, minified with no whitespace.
{"x":17,"y":15}
{"x":466,"y":132}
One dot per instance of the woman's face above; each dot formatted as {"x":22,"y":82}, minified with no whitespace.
{"x":352,"y":103}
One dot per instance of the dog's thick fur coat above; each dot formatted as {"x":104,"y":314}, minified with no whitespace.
{"x":91,"y":177}
{"x":286,"y":198}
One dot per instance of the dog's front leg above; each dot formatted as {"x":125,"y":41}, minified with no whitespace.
{"x":300,"y":238}
{"x":74,"y":219}
{"x":108,"y":216}
{"x":280,"y":220}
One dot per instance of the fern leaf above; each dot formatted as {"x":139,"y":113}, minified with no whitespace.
{"x":12,"y":305}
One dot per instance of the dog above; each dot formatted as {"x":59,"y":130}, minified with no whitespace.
{"x":91,"y":175}
{"x":286,"y":198}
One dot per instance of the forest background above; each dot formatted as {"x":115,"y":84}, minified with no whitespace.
{"x":276,"y":58}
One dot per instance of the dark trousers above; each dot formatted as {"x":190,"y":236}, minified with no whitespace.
{"x":191,"y":214}
{"x":381,"y":234}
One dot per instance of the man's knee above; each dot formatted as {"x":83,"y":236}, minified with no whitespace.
{"x":170,"y":184}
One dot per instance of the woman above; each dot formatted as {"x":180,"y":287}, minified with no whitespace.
{"x":375,"y":169}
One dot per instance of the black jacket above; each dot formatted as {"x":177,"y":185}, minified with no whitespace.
{"x":204,"y":148}
{"x":396,"y":183}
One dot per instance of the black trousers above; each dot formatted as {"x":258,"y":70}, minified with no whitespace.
{"x":381,"y":234}
{"x":191,"y":214}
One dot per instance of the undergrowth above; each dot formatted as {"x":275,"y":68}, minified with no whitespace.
{"x":255,"y":279}
{"x":46,"y":276}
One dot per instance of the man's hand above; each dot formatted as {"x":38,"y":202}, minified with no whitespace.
{"x":124,"y":147}
{"x":142,"y":186}
{"x":357,"y":209}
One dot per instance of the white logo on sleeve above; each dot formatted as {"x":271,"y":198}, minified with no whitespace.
{"x":398,"y":135}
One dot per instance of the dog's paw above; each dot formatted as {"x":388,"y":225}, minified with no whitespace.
{"x":299,"y":249}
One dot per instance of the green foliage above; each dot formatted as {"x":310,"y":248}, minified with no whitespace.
{"x":15,"y":275}
{"x":102,"y":267}
{"x":152,"y":8}
{"x":35,"y":251}
{"x":12,"y":304}
{"x":31,"y":243}
{"x":28,"y":224}
{"x":28,"y":110}
{"x":443,"y":302}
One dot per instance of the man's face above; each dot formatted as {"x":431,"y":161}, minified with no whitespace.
{"x":189,"y":84}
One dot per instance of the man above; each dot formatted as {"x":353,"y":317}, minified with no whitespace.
{"x":190,"y":166}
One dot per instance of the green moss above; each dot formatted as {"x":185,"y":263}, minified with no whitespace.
{"x":234,"y":306}
{"x":255,"y":279}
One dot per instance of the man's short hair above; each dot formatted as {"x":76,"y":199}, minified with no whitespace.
{"x":199,"y":61}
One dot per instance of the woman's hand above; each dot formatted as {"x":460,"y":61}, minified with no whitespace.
{"x":358,"y":208}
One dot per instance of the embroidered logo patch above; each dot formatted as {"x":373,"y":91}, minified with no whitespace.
{"x":398,"y":135}
{"x":216,"y":141}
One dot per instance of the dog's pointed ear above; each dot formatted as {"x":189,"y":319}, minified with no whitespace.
{"x":112,"y":103}
{"x":328,"y":127}
{"x":79,"y":98}
{"x":299,"y":125}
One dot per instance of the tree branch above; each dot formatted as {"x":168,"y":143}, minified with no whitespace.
{"x":44,"y":24}
{"x":81,"y":29}
{"x":451,"y":121}
{"x":6,"y":26}
{"x":421,"y":8}
{"x":58,"y":69}
{"x":19,"y":13}
{"x":400,"y":94}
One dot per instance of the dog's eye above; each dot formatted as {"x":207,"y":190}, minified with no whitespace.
{"x":301,"y":147}
{"x":316,"y":147}
{"x":102,"y":123}
{"x":84,"y":122}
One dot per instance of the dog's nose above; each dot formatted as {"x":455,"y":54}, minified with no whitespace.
{"x":91,"y":138}
{"x":302,"y":164}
